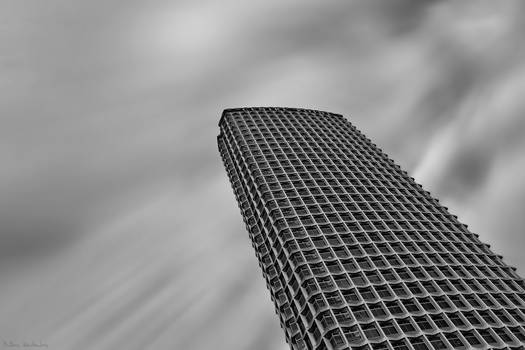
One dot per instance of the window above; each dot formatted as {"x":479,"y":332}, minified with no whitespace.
{"x":350,"y":295}
{"x":316,"y":332}
{"x":388,"y":275}
{"x":432,"y":271}
{"x":461,"y":286}
{"x":358,"y":279}
{"x":470,"y":336}
{"x":407,"y":259}
{"x":383,"y":291}
{"x":341,"y":252}
{"x":370,"y":249}
{"x":333,"y":267}
{"x":352,"y":334}
{"x":380,"y":346}
{"x":387,"y":235}
{"x":388,"y":328}
{"x":367,"y":294}
{"x":473,"y":300}
{"x":361,"y":237}
{"x":447,"y":257}
{"x":487,"y":336}
{"x":502,"y":315}
{"x":445,"y":286}
{"x":394,"y":307}
{"x":347,"y":239}
{"x":501,"y":300}
{"x":443,"y":302}
{"x":423,"y":323}
{"x":458,"y":301}
{"x":427,"y":304}
{"x":326,"y":254}
{"x":325,"y":283}
{"x":487,"y":317}
{"x":410,"y":246}
{"x":342,"y":281}
{"x":418,"y":272}
{"x":473,"y":285}
{"x":310,"y":255}
{"x":516,"y":315}
{"x":421,"y":259}
{"x":454,"y":340}
{"x":310,"y":286}
{"x":334,"y":298}
{"x":456,"y":319}
{"x":404,"y":274}
{"x":518,"y":333}
{"x":415,"y":288}
{"x":326,"y":320}
{"x":355,"y":250}
{"x":502,"y":333}
{"x":383,"y":248}
{"x":419,"y":343}
{"x":311,"y":230}
{"x":393,"y":260}
{"x":406,"y":325}
{"x":399,"y":290}
{"x":318,"y":269}
{"x":373,"y":276}
{"x":343,"y":315}
{"x":318,"y":302}
{"x":398,"y":248}
{"x":399,"y":344}
{"x":515,"y":300}
{"x":362,"y":347}
{"x":440,"y":321}
{"x":361,"y":313}
{"x":336,"y":338}
{"x":446,"y":271}
{"x":349,"y":265}
{"x":304,"y":272}
{"x":370,"y":330}
{"x":319,"y":242}
{"x":436,"y":342}
{"x":377,"y":310}
{"x":379,"y":261}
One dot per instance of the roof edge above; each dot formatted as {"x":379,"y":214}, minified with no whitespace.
{"x":235,"y":109}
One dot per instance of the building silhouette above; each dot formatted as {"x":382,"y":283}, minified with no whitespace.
{"x":355,"y":253}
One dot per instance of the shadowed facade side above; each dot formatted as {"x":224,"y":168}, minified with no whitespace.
{"x":354,"y":252}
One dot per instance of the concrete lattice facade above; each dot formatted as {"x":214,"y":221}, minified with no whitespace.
{"x":354,"y":252}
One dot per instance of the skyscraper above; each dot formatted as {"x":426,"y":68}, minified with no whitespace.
{"x":354,"y":252}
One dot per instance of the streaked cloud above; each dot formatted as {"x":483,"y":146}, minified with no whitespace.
{"x":118,"y":225}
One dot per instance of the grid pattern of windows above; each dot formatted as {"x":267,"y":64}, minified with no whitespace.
{"x":354,"y":252}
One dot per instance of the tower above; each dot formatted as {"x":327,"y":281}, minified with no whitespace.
{"x":354,"y":252}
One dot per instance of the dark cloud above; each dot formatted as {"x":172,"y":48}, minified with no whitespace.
{"x":468,"y":171}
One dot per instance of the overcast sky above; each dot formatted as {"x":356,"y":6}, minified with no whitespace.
{"x":118,"y":227}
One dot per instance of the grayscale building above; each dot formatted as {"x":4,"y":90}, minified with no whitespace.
{"x":355,"y":253}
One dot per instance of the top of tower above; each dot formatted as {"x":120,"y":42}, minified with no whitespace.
{"x":269,"y":109}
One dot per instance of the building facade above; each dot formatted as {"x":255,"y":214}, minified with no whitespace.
{"x":355,"y":253}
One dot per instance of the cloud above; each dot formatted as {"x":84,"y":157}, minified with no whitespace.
{"x":118,"y":225}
